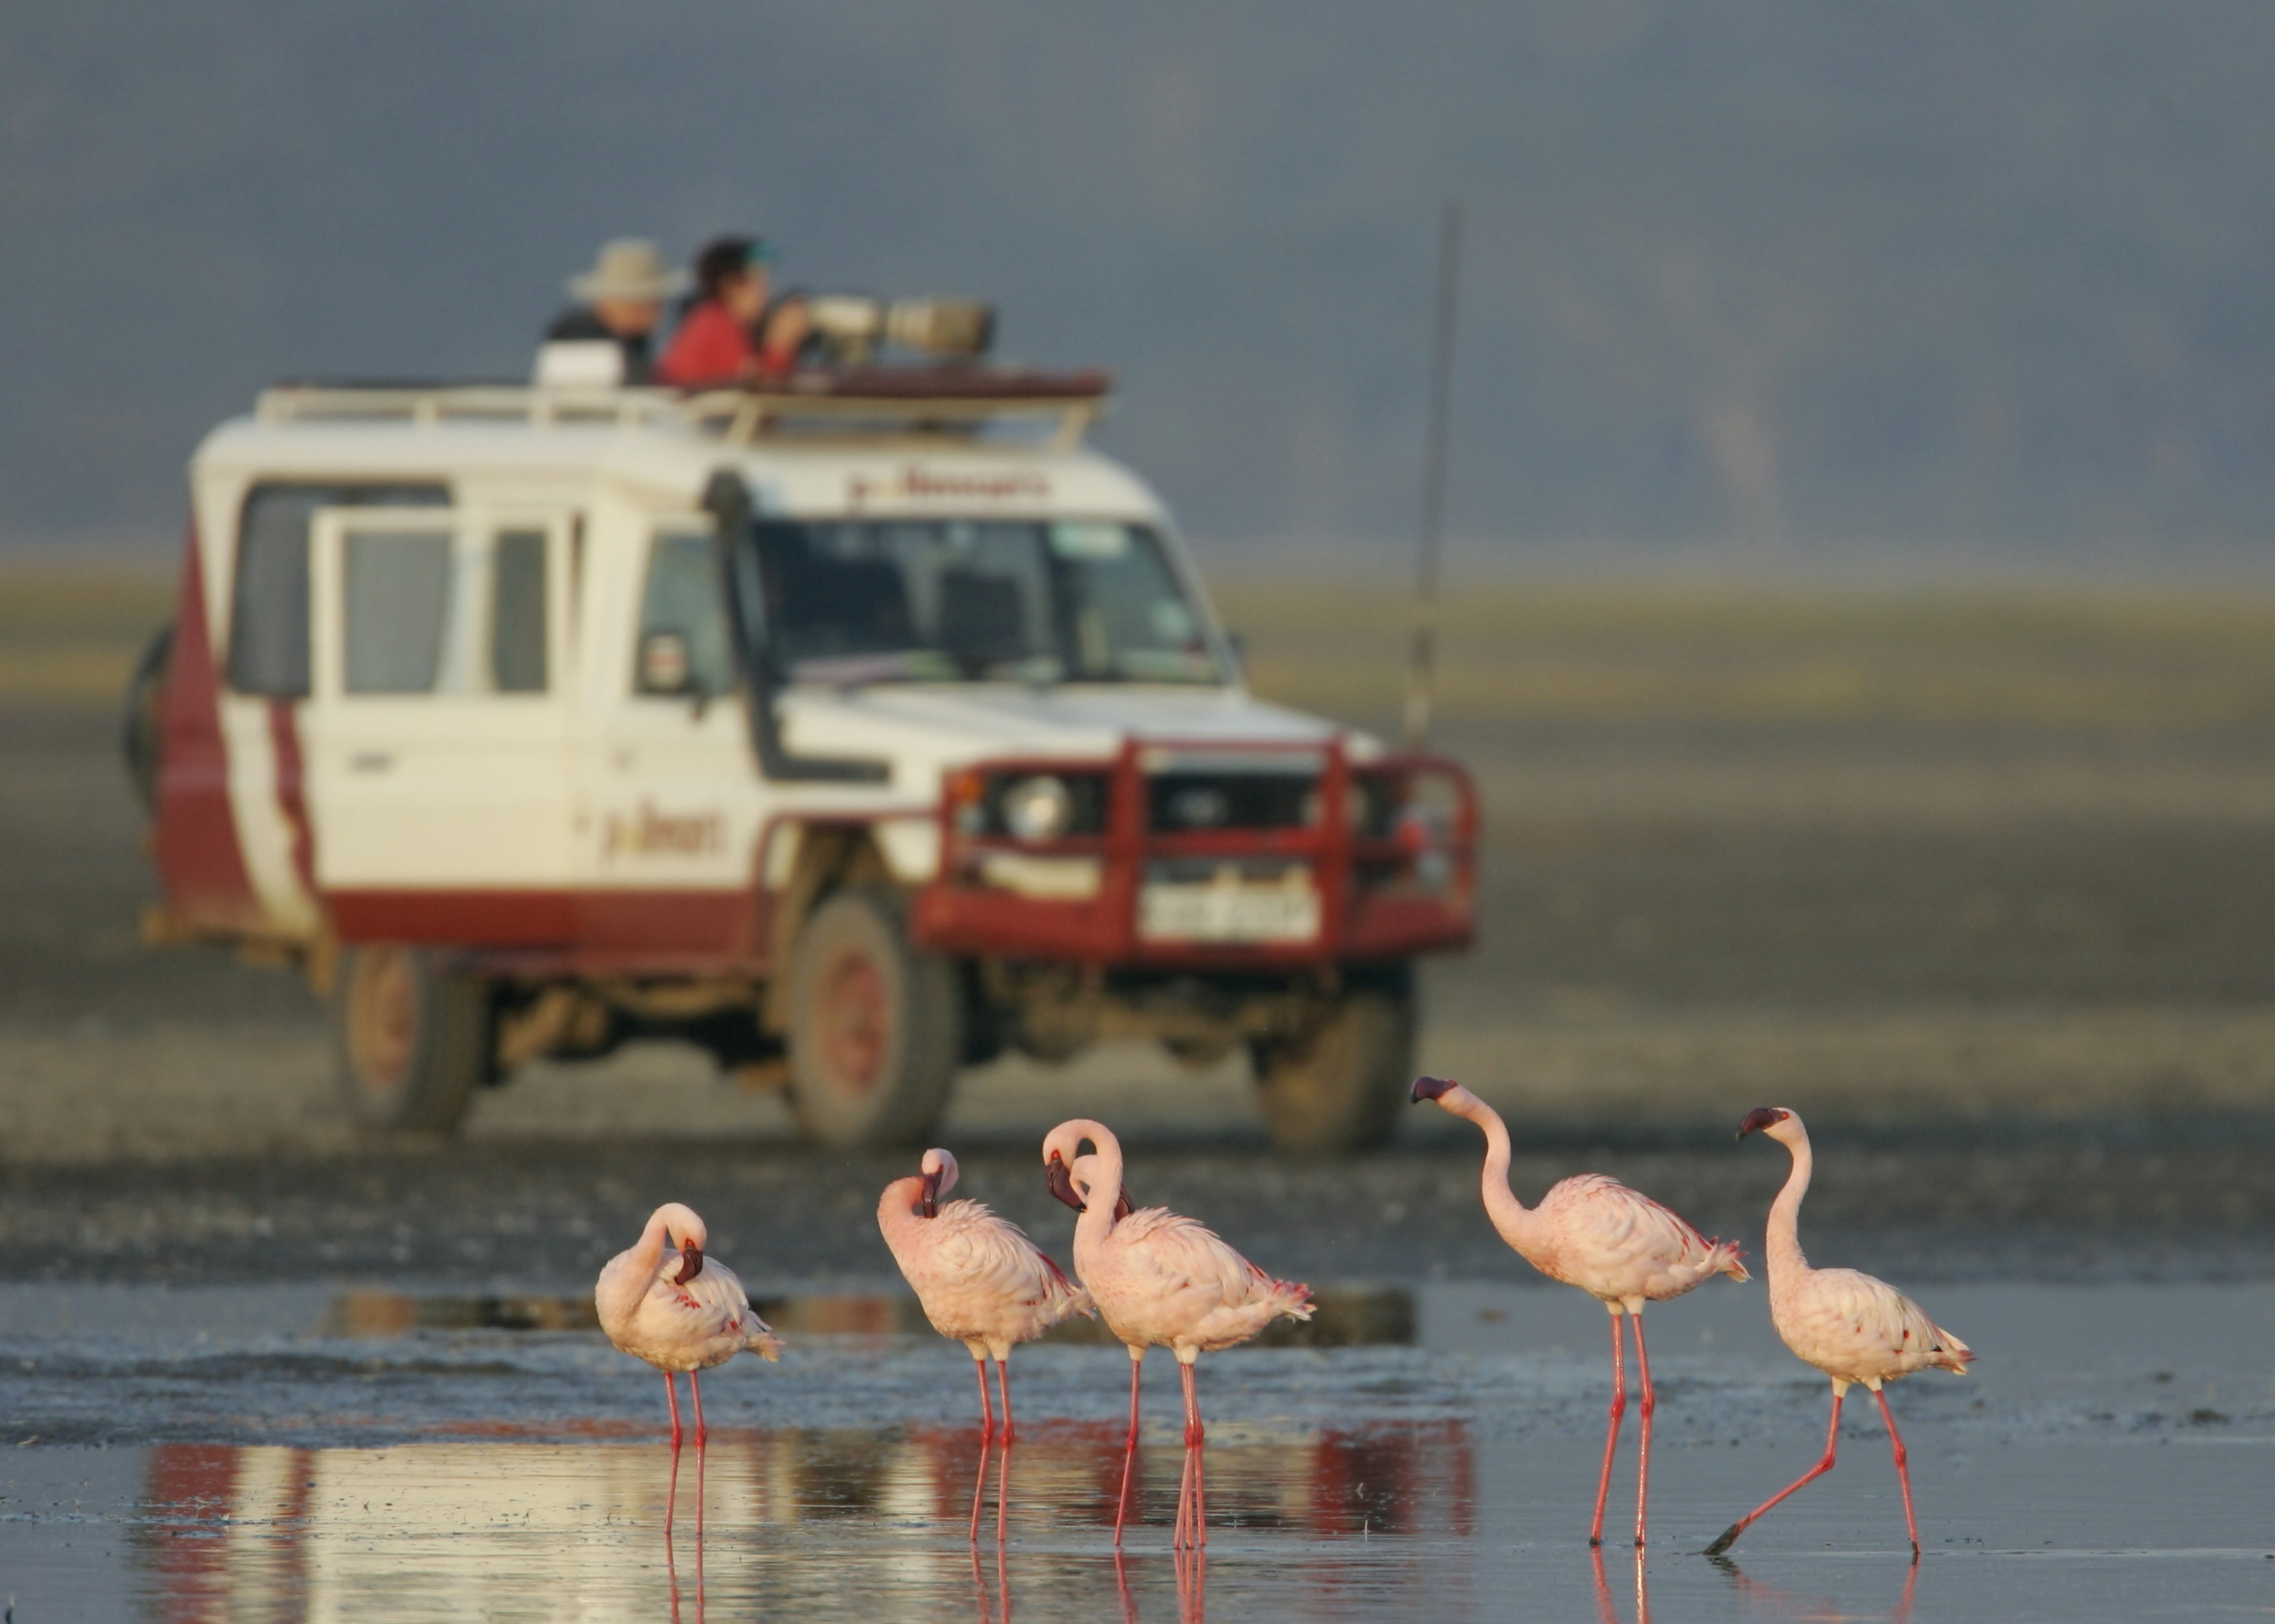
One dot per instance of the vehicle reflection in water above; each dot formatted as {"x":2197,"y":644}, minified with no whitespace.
{"x":549,"y":1530}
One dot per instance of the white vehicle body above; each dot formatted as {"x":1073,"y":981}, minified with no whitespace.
{"x":412,"y":703}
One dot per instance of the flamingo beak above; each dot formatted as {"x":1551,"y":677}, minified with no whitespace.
{"x":1060,"y":1182}
{"x":1759,"y":1118}
{"x":1121,"y":1207}
{"x":691,"y":1262}
{"x":930,"y":1198}
{"x":1429,"y":1088}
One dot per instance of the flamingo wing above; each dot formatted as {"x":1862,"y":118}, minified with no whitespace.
{"x":1617,"y":1242}
{"x":992,"y":1257}
{"x":1852,"y":1326}
{"x":712,"y":1307}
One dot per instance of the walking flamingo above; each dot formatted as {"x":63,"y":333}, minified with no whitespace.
{"x":981,"y":1281}
{"x":1849,"y":1326}
{"x":1621,"y":1248}
{"x":1160,"y":1280}
{"x":679,"y":1311}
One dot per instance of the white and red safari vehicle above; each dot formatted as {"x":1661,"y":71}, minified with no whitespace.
{"x":842,"y":729}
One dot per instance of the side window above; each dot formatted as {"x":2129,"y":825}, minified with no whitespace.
{"x":517,"y":612}
{"x":268,"y":601}
{"x":396,"y":602}
{"x":681,"y":598}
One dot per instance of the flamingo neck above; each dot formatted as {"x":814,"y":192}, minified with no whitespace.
{"x":1518,"y":1224}
{"x":1105,"y":1194}
{"x":1783,"y":1241}
{"x":900,"y":1209}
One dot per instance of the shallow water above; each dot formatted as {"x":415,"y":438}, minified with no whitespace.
{"x":377,"y":1452}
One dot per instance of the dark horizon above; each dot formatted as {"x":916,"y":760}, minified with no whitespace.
{"x":1766,"y":287}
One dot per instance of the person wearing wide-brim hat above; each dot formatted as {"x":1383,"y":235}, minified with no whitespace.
{"x":621,"y":298}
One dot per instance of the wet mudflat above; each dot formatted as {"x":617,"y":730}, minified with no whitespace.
{"x":408,"y":1451}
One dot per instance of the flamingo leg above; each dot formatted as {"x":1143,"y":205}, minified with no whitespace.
{"x":1611,"y":1433}
{"x":671,"y":1500}
{"x":1903,"y":1469}
{"x":1130,"y":1451}
{"x":978,"y":1491}
{"x":1832,"y":1439}
{"x":671,"y":1397}
{"x":1196,"y":1436}
{"x":695,"y":1392}
{"x":1003,"y":1380}
{"x":986,"y":1405}
{"x":1650,"y":1402}
{"x":1002,"y":1504}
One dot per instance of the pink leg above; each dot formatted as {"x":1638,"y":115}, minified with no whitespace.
{"x":1903,"y":1469}
{"x":986,"y":1405}
{"x":671,"y":1397}
{"x":1003,"y":1380}
{"x":1612,"y":1434}
{"x":979,"y":1490}
{"x":695,"y":1392}
{"x":1196,"y":1436}
{"x":1832,"y":1439}
{"x":671,"y":1498}
{"x":1002,"y":1506}
{"x":1649,"y":1403}
{"x":1130,"y":1451}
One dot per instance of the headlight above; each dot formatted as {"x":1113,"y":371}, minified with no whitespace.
{"x":1037,"y":808}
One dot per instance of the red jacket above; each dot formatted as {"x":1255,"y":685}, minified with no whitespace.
{"x":710,"y":347}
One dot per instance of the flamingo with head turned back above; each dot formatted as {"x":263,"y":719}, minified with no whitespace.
{"x":678,"y":1309}
{"x":1160,"y":1280}
{"x":981,"y":1281}
{"x":1849,"y":1326}
{"x":1621,"y":1248}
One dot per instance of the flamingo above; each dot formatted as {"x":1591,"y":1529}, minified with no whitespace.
{"x":981,"y":1281}
{"x":1847,"y":1324}
{"x":1160,"y":1281}
{"x":1621,"y":1248}
{"x":678,"y":1312}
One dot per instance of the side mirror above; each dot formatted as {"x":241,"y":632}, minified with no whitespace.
{"x":664,"y":666}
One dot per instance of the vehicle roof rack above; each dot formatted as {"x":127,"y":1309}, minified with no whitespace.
{"x":877,"y":399}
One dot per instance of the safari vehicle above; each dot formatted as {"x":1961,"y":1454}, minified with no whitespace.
{"x":845,"y":730}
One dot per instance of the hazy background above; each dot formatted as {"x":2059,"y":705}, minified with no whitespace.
{"x":1911,"y":285}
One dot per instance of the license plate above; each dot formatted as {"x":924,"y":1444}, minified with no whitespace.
{"x":1218,"y":912}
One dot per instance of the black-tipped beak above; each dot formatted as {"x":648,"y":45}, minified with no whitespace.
{"x":1428,"y":1088}
{"x":1121,"y":1207}
{"x":1757,"y":1119}
{"x":929,"y":1201}
{"x":1060,"y":1182}
{"x":691,"y":1262}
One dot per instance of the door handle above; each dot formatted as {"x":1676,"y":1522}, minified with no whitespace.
{"x":371,"y":761}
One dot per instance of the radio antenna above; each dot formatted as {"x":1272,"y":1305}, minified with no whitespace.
{"x":1422,"y":671}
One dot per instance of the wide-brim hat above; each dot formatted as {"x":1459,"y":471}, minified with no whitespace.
{"x":630,"y":267}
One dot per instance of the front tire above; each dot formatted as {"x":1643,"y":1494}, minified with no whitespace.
{"x":876,"y":1027}
{"x":411,"y":1040}
{"x":1337,"y":1089}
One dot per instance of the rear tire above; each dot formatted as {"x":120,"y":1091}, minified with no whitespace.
{"x":876,"y":1029}
{"x":413,"y":1041}
{"x":1337,"y":1089}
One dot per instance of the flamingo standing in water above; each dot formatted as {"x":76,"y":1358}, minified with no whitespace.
{"x":1160,"y":1282}
{"x":678,"y":1309}
{"x":1849,"y":1326}
{"x":1621,"y":1248}
{"x":981,"y":1281}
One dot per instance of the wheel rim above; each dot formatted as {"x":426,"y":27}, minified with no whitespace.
{"x":383,"y":1020}
{"x":854,"y":1020}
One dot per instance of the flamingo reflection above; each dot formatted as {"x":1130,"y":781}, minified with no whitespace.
{"x":1604,"y":1610}
{"x":670,"y":1560}
{"x":1776,"y":1603}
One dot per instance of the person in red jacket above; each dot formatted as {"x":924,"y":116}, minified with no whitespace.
{"x":714,"y":343}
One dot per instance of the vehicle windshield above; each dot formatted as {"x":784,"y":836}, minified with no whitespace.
{"x":863,"y":600}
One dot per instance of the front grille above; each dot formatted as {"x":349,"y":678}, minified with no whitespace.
{"x":1189,"y":803}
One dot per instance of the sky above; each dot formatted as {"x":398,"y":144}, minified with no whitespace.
{"x":1942,"y":279}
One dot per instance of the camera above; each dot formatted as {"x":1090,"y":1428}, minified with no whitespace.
{"x":851,"y":328}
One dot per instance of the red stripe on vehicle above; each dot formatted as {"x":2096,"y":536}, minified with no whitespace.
{"x":201,"y":861}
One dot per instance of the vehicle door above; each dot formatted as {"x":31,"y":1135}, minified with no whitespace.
{"x":676,"y":804}
{"x":440,"y":751}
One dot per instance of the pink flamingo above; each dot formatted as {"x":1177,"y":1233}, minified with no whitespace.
{"x":1849,"y":1326}
{"x":1621,"y":1248}
{"x":679,"y":1311}
{"x":981,"y":1281}
{"x":1160,"y":1280}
